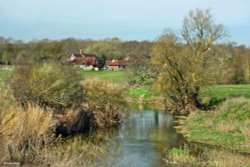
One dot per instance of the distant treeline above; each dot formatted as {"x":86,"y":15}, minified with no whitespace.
{"x":236,"y":62}
{"x":15,"y":52}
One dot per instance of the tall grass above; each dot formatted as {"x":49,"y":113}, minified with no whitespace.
{"x":77,"y":151}
{"x":25,"y":133}
{"x":211,"y":158}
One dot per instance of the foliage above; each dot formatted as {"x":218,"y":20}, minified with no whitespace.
{"x":138,"y":53}
{"x":109,"y":48}
{"x":99,"y":111}
{"x":183,"y":69}
{"x":48,"y":85}
{"x":232,"y":69}
{"x":140,"y":77}
{"x":237,"y":66}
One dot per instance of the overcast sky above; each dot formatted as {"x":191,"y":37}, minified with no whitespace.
{"x":127,"y":19}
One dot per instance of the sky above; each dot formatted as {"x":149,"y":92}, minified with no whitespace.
{"x":126,"y":19}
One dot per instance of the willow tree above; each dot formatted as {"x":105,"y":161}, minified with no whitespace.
{"x":186,"y":62}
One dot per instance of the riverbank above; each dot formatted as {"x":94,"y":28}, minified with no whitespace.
{"x":228,"y":126}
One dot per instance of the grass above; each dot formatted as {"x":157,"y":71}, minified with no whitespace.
{"x":218,"y":93}
{"x":25,"y":133}
{"x":180,"y":157}
{"x":111,"y":76}
{"x":4,"y":76}
{"x":137,"y":93}
{"x":228,"y":126}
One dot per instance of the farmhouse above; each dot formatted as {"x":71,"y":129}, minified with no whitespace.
{"x":117,"y":64}
{"x":89,"y":61}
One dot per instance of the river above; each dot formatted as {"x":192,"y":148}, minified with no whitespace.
{"x":142,"y":138}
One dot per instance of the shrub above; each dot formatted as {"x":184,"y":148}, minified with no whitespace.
{"x":141,"y":77}
{"x":48,"y":85}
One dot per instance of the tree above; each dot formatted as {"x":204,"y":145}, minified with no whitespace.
{"x":109,"y":48}
{"x":186,"y":63}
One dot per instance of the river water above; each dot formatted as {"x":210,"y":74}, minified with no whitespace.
{"x":142,"y":138}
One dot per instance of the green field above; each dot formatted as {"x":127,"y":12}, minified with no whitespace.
{"x":4,"y":76}
{"x":217,"y":93}
{"x":227,"y":126}
{"x":111,"y":76}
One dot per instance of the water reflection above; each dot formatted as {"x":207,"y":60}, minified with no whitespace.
{"x":143,"y":136}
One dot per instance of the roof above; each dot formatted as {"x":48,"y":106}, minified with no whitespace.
{"x":84,"y":55}
{"x":117,"y":63}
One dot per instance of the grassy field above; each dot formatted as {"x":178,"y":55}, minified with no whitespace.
{"x":219,"y":93}
{"x":111,"y":76}
{"x":4,"y":75}
{"x":216,"y":94}
{"x":228,"y":126}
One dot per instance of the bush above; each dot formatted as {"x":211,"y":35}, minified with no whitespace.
{"x":141,"y":77}
{"x":91,"y":115}
{"x":48,"y":85}
{"x":100,"y":110}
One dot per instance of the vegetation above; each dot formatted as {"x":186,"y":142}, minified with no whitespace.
{"x":4,"y":76}
{"x":214,"y":95}
{"x":58,"y":100}
{"x":51,"y":101}
{"x":116,"y":77}
{"x":47,"y":85}
{"x":228,"y":126}
{"x":79,"y":151}
{"x":137,"y":93}
{"x":182,"y":69}
{"x":29,"y":136}
{"x":26,"y":133}
{"x":184,"y":157}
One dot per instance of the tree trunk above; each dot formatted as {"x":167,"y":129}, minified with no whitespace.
{"x":187,"y":104}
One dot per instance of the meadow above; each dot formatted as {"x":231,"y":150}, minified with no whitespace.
{"x":4,"y":76}
{"x":110,"y":76}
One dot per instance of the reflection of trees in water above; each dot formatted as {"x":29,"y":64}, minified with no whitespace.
{"x":144,"y":133}
{"x":166,"y":136}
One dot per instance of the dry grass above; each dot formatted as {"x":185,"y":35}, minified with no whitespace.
{"x":211,"y":158}
{"x":91,"y":115}
{"x":226,"y":159}
{"x":76,"y":152}
{"x":26,"y":133}
{"x":102,"y":90}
